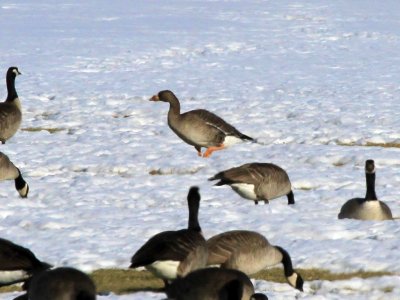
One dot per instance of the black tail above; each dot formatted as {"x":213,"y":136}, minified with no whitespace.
{"x":246,"y":137}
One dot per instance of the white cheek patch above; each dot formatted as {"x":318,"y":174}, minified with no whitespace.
{"x":292,"y":279}
{"x":11,"y":276}
{"x":245,"y":190}
{"x":24,"y":191}
{"x":15,"y":72}
{"x":167,"y":269}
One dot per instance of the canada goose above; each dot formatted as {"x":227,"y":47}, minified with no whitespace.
{"x":10,"y":110}
{"x":8,"y":171}
{"x":17,"y":263}
{"x":213,"y":284}
{"x":61,"y":284}
{"x":257,"y":181}
{"x":249,"y":252}
{"x":172,"y":254}
{"x":199,"y":128}
{"x":368,"y":208}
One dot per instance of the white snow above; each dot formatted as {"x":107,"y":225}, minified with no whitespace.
{"x":305,"y":79}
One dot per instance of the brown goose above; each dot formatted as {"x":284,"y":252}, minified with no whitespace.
{"x":10,"y":110}
{"x":250,"y":252}
{"x":61,"y":284}
{"x":8,"y":171}
{"x":214,"y":284}
{"x":368,"y":208}
{"x":199,"y":128}
{"x":17,"y":263}
{"x":172,"y":254}
{"x":257,"y":181}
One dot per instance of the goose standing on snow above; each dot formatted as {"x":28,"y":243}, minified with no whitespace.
{"x":61,"y":284}
{"x":214,"y":284}
{"x":172,"y":254}
{"x":8,"y":171}
{"x":199,"y":128}
{"x":250,"y":252}
{"x":368,"y":208}
{"x":17,"y":264}
{"x":257,"y":181}
{"x":10,"y":110}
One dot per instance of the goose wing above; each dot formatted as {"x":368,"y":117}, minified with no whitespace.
{"x":15,"y":257}
{"x":167,"y":245}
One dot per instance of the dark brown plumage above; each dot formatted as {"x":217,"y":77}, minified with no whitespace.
{"x":249,"y":252}
{"x":8,"y":171}
{"x":369,"y":207}
{"x":199,"y":128}
{"x":62,"y":284}
{"x":10,"y":109}
{"x":257,"y":181}
{"x":17,"y":263}
{"x":213,"y":284}
{"x":172,"y":254}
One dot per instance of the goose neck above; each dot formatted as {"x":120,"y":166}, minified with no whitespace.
{"x":370,"y":179}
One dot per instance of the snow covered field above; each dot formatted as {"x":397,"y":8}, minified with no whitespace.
{"x":314,"y":82}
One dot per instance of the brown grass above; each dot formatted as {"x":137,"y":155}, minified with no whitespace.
{"x":128,"y":281}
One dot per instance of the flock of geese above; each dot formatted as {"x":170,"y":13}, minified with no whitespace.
{"x":190,"y":266}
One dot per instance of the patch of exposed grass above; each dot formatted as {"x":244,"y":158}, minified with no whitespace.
{"x":48,"y":129}
{"x":128,"y":281}
{"x":370,"y":144}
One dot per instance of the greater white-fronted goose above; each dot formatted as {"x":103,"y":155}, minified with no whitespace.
{"x":213,"y":284}
{"x":257,"y":181}
{"x":8,"y":171}
{"x":61,"y":284}
{"x":172,"y":254}
{"x":17,"y":264}
{"x":10,"y":110}
{"x":368,"y":208}
{"x":199,"y":128}
{"x":250,"y":252}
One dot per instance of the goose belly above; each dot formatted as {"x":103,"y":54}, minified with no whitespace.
{"x":245,"y":190}
{"x":12,"y":276}
{"x":166,"y":269}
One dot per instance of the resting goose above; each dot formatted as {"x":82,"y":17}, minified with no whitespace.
{"x":61,"y":284}
{"x":17,"y":263}
{"x":250,"y":252}
{"x":199,"y":128}
{"x":172,"y":254}
{"x":214,"y":284}
{"x":368,"y":208}
{"x":10,"y":110}
{"x":257,"y":181}
{"x":8,"y":171}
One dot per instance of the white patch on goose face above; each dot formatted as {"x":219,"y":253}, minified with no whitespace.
{"x":24,"y":191}
{"x":16,"y":72}
{"x":231,"y":140}
{"x":245,"y":190}
{"x":10,"y":276}
{"x":166,"y":269}
{"x":292,"y":279}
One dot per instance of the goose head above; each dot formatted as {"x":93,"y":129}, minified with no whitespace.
{"x":165,"y":96}
{"x":13,"y":72}
{"x":296,"y":281}
{"x":369,"y":166}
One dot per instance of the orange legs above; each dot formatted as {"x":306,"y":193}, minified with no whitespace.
{"x":212,"y":149}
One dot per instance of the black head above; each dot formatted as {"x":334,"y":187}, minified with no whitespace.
{"x":369,"y":166}
{"x":299,"y":283}
{"x":13,"y":72}
{"x":258,"y":296}
{"x":165,"y":96}
{"x":193,"y":199}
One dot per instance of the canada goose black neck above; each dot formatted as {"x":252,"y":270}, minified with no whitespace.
{"x":10,"y":79}
{"x":193,"y":199}
{"x":286,"y":261}
{"x":370,"y":180}
{"x":174,"y":105}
